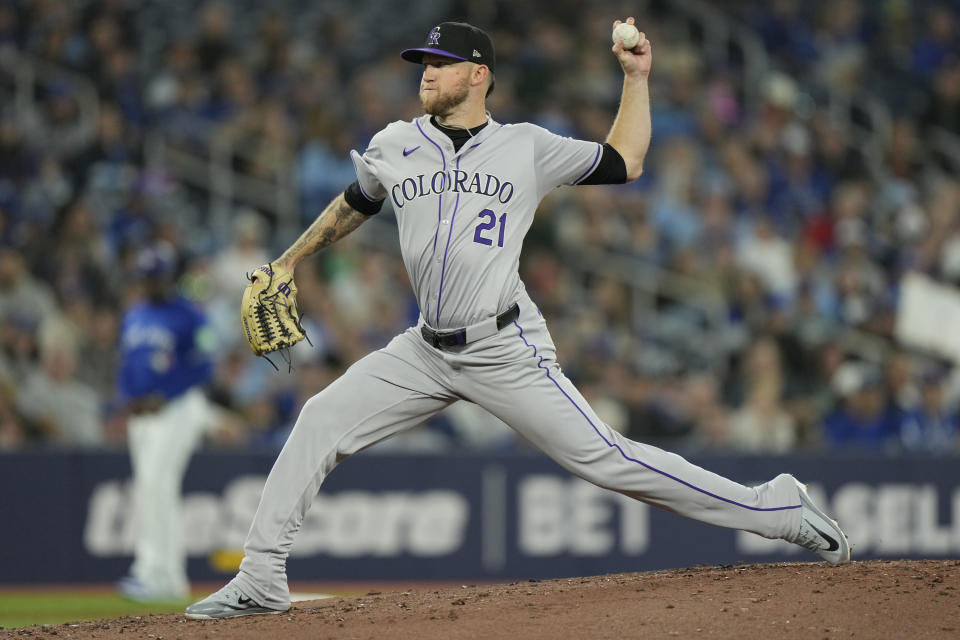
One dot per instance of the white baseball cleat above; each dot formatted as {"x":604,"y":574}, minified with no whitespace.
{"x":819,"y":533}
{"x":229,"y":602}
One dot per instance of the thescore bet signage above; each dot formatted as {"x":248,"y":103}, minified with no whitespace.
{"x":435,"y":518}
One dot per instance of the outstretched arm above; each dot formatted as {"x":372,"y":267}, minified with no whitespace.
{"x":630,"y":134}
{"x":335,"y":222}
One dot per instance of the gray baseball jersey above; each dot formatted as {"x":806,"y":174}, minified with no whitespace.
{"x":462,"y":215}
{"x":462,"y":218}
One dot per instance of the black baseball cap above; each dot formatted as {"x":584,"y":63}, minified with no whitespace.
{"x":457,"y":40}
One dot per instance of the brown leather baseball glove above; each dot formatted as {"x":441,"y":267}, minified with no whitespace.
{"x":268,"y":314}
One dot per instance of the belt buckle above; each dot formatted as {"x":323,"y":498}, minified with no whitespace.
{"x":430,"y":336}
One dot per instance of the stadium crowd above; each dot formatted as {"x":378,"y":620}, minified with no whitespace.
{"x":771,"y":206}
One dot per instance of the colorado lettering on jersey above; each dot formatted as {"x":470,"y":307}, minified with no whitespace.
{"x":454,"y":181}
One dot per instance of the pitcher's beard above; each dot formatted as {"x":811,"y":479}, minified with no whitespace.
{"x":443,"y":106}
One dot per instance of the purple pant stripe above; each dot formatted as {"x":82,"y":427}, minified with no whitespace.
{"x":625,"y":456}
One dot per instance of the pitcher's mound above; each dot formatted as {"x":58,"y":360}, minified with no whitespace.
{"x":874,"y":599}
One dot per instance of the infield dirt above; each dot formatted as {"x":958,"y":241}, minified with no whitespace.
{"x":813,"y":601}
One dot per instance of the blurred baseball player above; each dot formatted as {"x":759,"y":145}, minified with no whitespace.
{"x":165,"y":347}
{"x":465,"y":188}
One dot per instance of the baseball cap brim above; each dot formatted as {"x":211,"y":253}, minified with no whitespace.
{"x":416,"y":55}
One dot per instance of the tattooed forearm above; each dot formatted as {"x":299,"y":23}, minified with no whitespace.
{"x":336,"y":221}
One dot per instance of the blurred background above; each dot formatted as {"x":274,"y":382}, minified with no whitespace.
{"x":782,"y":280}
{"x":742,"y":295}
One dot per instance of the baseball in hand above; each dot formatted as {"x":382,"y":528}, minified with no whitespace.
{"x":628,"y":34}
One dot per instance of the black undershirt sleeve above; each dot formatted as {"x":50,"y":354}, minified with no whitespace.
{"x":610,"y":170}
{"x":357,"y":200}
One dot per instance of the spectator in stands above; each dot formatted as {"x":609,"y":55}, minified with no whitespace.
{"x":163,"y":87}
{"x":932,"y":426}
{"x":937,"y":42}
{"x":904,"y":151}
{"x":57,"y":128}
{"x":131,"y":223}
{"x":214,"y":45}
{"x":21,"y":294}
{"x":710,"y":419}
{"x":120,"y":12}
{"x":274,"y":55}
{"x":66,"y":412}
{"x":52,"y":33}
{"x":121,"y":84}
{"x":323,"y":165}
{"x":103,"y":36}
{"x":98,"y":350}
{"x":674,"y":211}
{"x":234,"y":101}
{"x":862,"y":420}
{"x":17,"y":163}
{"x":762,"y":424}
{"x":901,"y":382}
{"x":842,"y":44}
{"x":786,"y":34}
{"x":186,"y":120}
{"x":836,"y":158}
{"x":769,"y":256}
{"x":19,"y":351}
{"x":110,"y":162}
{"x":42,"y":197}
{"x":78,"y":261}
{"x":943,"y":106}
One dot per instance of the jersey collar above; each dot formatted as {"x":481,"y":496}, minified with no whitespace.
{"x":440,"y":138}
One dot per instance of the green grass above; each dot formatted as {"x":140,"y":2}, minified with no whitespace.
{"x":54,"y":607}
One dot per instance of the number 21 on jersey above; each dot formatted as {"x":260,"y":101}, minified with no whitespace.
{"x":491,"y":222}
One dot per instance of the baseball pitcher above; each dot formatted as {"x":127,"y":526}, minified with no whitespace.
{"x":465,"y":189}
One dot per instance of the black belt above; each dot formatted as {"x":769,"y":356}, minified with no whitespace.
{"x":458,"y":337}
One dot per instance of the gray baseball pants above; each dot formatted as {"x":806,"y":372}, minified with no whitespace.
{"x":514,"y":375}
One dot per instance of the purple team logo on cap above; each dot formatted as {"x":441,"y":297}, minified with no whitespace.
{"x":434,"y":37}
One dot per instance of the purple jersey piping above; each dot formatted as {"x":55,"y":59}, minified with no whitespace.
{"x":625,"y":456}
{"x":443,"y":158}
{"x":443,"y":269}
{"x":596,"y":159}
{"x":364,"y":192}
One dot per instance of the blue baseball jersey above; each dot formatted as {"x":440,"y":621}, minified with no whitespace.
{"x":165,"y":348}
